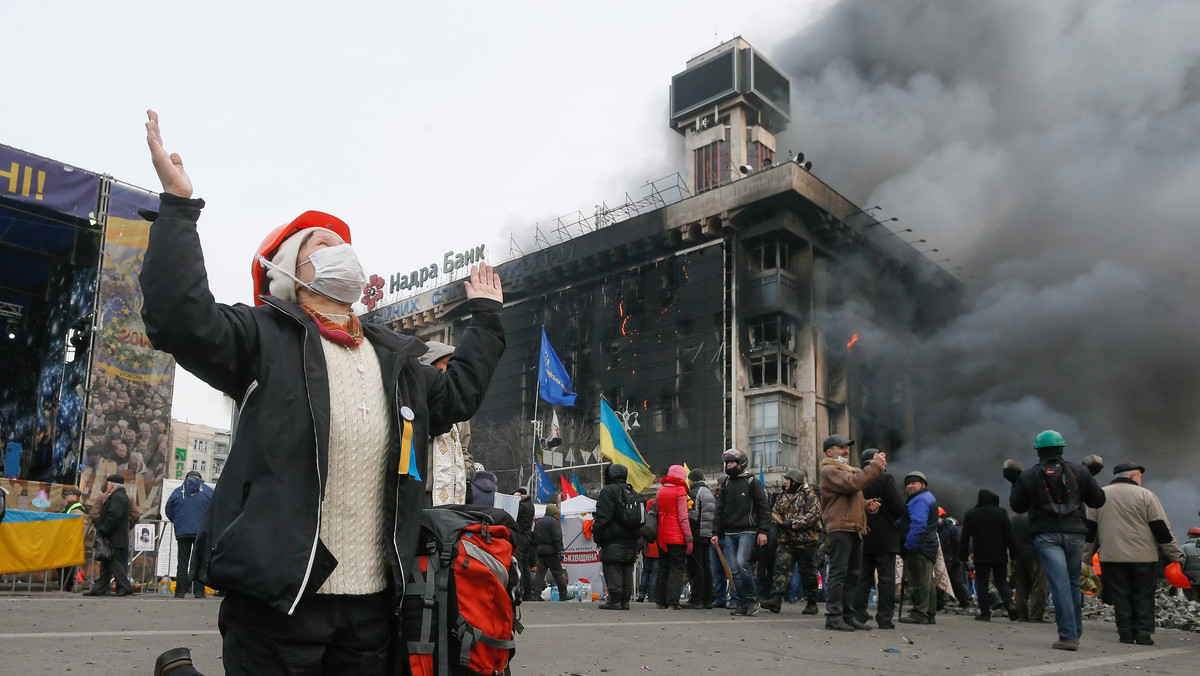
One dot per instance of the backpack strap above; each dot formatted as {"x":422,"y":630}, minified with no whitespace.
{"x":423,"y":588}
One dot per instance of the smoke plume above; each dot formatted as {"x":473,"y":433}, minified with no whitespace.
{"x":1049,"y":151}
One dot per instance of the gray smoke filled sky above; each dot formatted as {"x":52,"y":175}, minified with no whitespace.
{"x":1052,"y":150}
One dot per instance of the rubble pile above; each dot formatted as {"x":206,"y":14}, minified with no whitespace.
{"x":1170,"y":612}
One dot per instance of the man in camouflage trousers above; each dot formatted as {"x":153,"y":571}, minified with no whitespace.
{"x":798,"y":514}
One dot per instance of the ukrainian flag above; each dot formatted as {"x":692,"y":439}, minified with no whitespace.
{"x":39,"y":540}
{"x":616,"y":445}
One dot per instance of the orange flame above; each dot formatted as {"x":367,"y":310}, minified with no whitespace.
{"x":853,"y":340}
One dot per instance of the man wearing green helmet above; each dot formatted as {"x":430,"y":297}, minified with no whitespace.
{"x":1054,"y":492}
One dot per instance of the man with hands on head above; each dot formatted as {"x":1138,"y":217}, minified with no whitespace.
{"x":333,"y":415}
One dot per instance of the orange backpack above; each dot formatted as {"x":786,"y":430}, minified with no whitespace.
{"x":460,"y":601}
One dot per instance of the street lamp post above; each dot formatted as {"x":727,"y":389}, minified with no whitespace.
{"x":629,"y":419}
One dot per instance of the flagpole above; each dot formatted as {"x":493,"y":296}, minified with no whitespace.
{"x":537,"y":394}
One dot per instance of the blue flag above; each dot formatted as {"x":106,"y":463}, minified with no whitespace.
{"x":576,"y":484}
{"x":553,"y":381}
{"x":544,"y":490}
{"x":761,"y":480}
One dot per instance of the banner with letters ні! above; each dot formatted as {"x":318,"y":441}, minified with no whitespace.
{"x":129,"y":402}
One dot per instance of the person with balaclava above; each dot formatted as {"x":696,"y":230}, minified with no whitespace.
{"x":1056,"y":494}
{"x":742,"y":520}
{"x":449,"y":456}
{"x":186,"y":509}
{"x":617,"y":534}
{"x":797,"y":512}
{"x":315,"y":522}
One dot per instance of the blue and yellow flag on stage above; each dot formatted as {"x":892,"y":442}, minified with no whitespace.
{"x":616,"y":445}
{"x":554,"y":384}
{"x":543,"y":489}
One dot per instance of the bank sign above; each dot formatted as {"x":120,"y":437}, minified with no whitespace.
{"x":451,"y":262}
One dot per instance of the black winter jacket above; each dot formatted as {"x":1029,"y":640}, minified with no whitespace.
{"x":1025,"y":497}
{"x":883,"y":535}
{"x":988,"y":526}
{"x":741,"y":506}
{"x":620,"y":541}
{"x":523,"y":538}
{"x":260,"y":536}
{"x":547,"y":536}
{"x":113,"y":520}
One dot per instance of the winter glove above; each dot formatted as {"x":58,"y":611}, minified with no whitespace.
{"x":1094,"y":464}
{"x":1012,"y":470}
{"x":688,"y":549}
{"x":797,"y":525}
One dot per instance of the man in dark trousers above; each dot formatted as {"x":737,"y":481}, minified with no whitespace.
{"x":919,"y":524}
{"x":743,"y":518}
{"x":702,"y":514}
{"x":845,"y":513}
{"x":523,"y":539}
{"x":112,"y":524}
{"x":547,"y":536}
{"x":617,"y":534}
{"x":987,"y":530}
{"x":186,"y":509}
{"x":881,"y":545}
{"x":1056,"y":494}
{"x":1029,"y":578}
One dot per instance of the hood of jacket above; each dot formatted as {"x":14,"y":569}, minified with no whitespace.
{"x":192,"y":485}
{"x":485,"y":481}
{"x":617,"y":474}
{"x":988,"y":498}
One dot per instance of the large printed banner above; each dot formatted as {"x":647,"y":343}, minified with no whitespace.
{"x":38,"y":180}
{"x":129,"y":403}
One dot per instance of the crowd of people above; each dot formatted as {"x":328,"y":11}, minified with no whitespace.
{"x":736,"y":545}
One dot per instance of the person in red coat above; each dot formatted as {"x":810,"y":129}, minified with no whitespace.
{"x":674,"y":537}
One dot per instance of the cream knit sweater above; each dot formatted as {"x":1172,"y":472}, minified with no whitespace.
{"x":352,"y":519}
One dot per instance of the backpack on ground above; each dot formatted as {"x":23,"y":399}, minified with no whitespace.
{"x":460,"y":601}
{"x":1059,"y":488}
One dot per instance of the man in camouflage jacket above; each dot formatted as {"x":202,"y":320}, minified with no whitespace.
{"x":797,"y":512}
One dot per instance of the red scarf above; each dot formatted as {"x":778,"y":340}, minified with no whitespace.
{"x":349,"y":334}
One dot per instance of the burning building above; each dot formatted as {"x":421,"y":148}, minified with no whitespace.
{"x":713,"y":312}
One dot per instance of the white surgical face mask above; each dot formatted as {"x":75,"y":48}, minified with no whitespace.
{"x":337,"y":273}
{"x":845,"y":460}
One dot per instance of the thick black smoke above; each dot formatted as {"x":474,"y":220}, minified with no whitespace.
{"x":1052,"y":150}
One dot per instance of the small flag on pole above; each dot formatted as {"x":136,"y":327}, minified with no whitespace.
{"x":576,"y":485}
{"x":568,"y":489}
{"x":553,"y":382}
{"x":543,"y":490}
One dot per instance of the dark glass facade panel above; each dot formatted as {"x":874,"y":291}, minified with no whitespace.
{"x":651,"y":335}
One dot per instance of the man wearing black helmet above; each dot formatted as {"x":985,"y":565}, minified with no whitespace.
{"x":845,"y":514}
{"x":743,"y":517}
{"x":1054,"y":492}
{"x":798,"y":512}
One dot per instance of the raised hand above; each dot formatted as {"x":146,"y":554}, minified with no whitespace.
{"x":484,"y":283}
{"x":168,"y":166}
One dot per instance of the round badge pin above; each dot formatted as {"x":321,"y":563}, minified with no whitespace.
{"x":407,"y":413}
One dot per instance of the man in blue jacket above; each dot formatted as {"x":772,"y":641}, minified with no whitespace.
{"x":920,"y":549}
{"x":186,"y":509}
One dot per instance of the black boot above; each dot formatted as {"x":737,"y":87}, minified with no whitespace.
{"x":610,"y":604}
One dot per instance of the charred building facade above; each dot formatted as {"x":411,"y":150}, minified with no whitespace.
{"x":717,"y":319}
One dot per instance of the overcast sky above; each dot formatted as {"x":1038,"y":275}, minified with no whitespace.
{"x":428,"y":127}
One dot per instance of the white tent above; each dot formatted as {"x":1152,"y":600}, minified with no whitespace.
{"x":582,"y":556}
{"x":575,"y":506}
